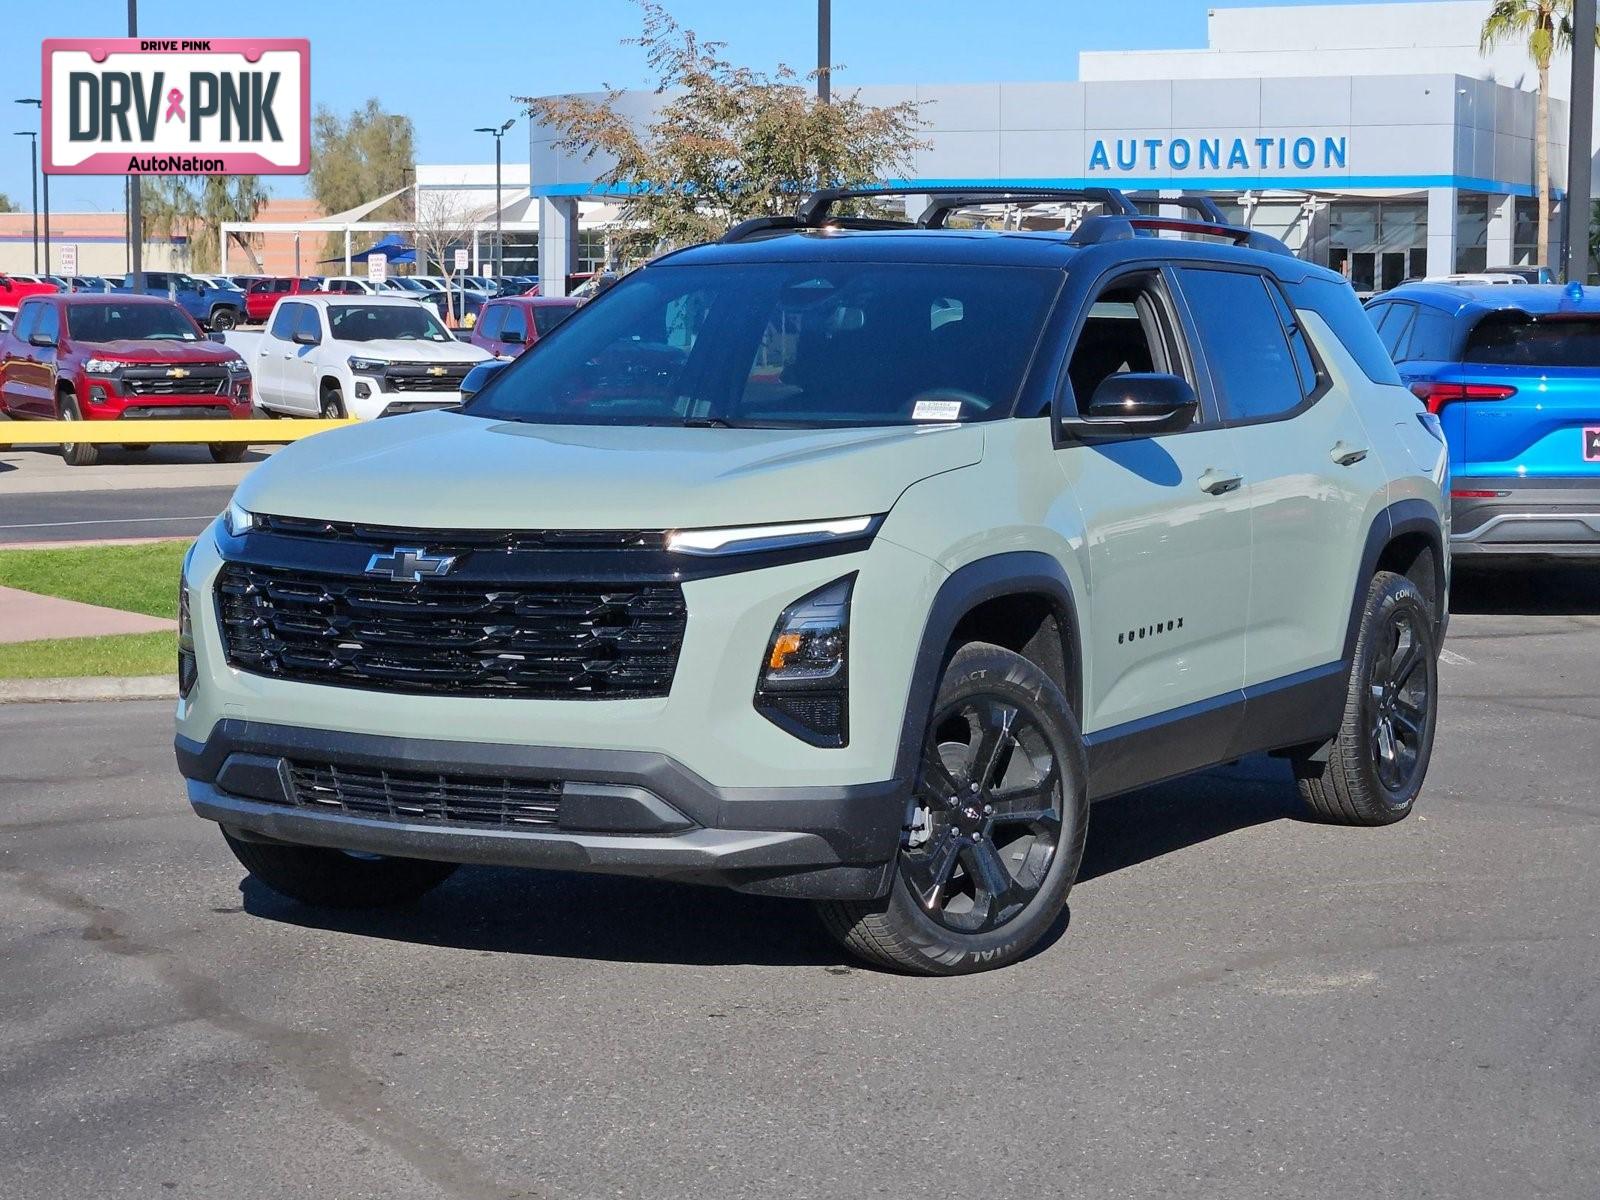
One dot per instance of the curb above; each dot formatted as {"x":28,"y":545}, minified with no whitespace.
{"x":132,"y":687}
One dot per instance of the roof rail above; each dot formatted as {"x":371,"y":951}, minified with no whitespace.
{"x":815,"y":210}
{"x":1205,"y":206}
{"x":758,"y":227}
{"x":1112,"y":229}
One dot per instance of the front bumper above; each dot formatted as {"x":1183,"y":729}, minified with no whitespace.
{"x":619,"y":811}
{"x":1526,"y":518}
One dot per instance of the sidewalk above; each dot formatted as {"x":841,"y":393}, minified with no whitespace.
{"x":28,"y":617}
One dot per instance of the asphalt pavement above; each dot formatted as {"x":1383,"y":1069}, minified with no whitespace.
{"x":79,"y":516}
{"x":1242,"y":1003}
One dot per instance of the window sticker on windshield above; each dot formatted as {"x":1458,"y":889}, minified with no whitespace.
{"x":937,"y":410}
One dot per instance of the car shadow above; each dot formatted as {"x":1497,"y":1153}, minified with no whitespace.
{"x":1127,"y":830}
{"x":621,"y":919}
{"x":1533,"y":590}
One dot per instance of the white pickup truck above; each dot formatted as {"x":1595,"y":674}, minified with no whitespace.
{"x":357,"y":356}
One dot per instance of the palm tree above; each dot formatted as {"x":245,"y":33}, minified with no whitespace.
{"x":1545,"y":26}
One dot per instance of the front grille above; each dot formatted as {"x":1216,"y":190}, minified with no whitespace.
{"x":463,"y":539}
{"x":425,"y":796}
{"x":157,"y":381}
{"x":453,"y":637}
{"x":425,"y":377}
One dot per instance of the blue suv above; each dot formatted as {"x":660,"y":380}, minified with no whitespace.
{"x":1513,"y":374}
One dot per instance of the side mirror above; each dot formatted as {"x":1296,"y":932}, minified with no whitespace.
{"x":480,"y":375}
{"x":220,"y":338}
{"x":42,"y":339}
{"x":1134,"y":405}
{"x":512,"y":337}
{"x":307,"y":337}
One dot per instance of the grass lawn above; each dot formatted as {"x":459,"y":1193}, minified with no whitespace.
{"x":116,"y":654}
{"x":141,"y":578}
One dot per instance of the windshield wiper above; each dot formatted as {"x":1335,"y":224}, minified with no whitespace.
{"x":708,"y":423}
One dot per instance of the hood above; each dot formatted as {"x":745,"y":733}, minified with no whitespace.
{"x":448,"y":470}
{"x":413,"y":350}
{"x":135,"y":351}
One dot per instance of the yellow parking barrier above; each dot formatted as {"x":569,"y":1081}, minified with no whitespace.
{"x":157,"y":432}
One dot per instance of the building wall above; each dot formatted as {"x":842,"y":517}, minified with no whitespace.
{"x":101,"y":240}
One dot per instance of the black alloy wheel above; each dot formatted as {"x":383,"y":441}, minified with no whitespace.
{"x":1399,"y":699}
{"x":987,"y":814}
{"x":993,"y":831}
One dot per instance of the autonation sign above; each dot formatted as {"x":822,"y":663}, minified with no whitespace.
{"x":169,"y":106}
{"x":1286,"y":153}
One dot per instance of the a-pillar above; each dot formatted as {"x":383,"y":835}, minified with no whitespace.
{"x":1441,"y":231}
{"x":558,"y":243}
{"x":1502,"y":231}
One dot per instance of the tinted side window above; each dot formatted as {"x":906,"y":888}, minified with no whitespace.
{"x":1244,"y":344}
{"x":516,"y":320}
{"x":49,"y":322}
{"x":283,"y":319}
{"x":1395,"y":325}
{"x":1432,"y":337}
{"x":547,"y":316}
{"x":1336,"y":304}
{"x":494,"y":315}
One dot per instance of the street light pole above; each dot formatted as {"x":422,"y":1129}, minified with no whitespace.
{"x":499,"y":240}
{"x":40,"y":106}
{"x":135,"y":192}
{"x":1580,"y":142}
{"x":33,"y":152}
{"x":824,"y":49}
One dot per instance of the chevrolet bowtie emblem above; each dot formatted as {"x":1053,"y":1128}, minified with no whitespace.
{"x":410,"y":565}
{"x":436,"y":371}
{"x":177,"y":373}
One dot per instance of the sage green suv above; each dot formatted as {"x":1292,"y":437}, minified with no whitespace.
{"x":847,"y":559}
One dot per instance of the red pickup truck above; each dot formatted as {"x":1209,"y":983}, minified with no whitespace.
{"x":97,"y":356}
{"x":508,"y":326}
{"x":14,"y":291}
{"x":262,"y":296}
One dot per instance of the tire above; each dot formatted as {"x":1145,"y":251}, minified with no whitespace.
{"x":223,"y":319}
{"x":332,"y":403}
{"x":227,"y":452}
{"x":1374,"y":767}
{"x":326,"y":878}
{"x":77,"y":454}
{"x":1027,"y":806}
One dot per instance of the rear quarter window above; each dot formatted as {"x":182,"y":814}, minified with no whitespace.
{"x":1337,"y":305}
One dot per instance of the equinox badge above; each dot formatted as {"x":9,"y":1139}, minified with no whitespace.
{"x":409,"y":565}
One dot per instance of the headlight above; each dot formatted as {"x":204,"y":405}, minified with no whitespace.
{"x":803,"y":687}
{"x":188,"y":670}
{"x":237,"y":366}
{"x":747,"y":539}
{"x":101,"y":366}
{"x":237,"y":520}
{"x":367,"y":366}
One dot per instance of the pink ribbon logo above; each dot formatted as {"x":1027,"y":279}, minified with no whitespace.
{"x":175,"y":106}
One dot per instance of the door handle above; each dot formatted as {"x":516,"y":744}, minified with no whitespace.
{"x":1219,"y":483}
{"x":1347,"y":455}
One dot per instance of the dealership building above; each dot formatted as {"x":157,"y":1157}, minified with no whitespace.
{"x":1375,"y":139}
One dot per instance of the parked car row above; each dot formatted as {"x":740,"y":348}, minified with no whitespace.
{"x":102,"y":357}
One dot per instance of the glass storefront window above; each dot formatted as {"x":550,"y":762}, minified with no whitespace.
{"x":1472,"y":233}
{"x":1377,"y":244}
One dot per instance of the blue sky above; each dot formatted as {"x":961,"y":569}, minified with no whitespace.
{"x":453,"y":66}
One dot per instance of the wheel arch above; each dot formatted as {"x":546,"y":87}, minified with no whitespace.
{"x":1022,"y":600}
{"x":1408,"y":539}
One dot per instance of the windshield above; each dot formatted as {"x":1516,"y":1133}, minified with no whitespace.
{"x":379,"y":322}
{"x":788,"y":345}
{"x":130,"y":322}
{"x":1515,"y":340}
